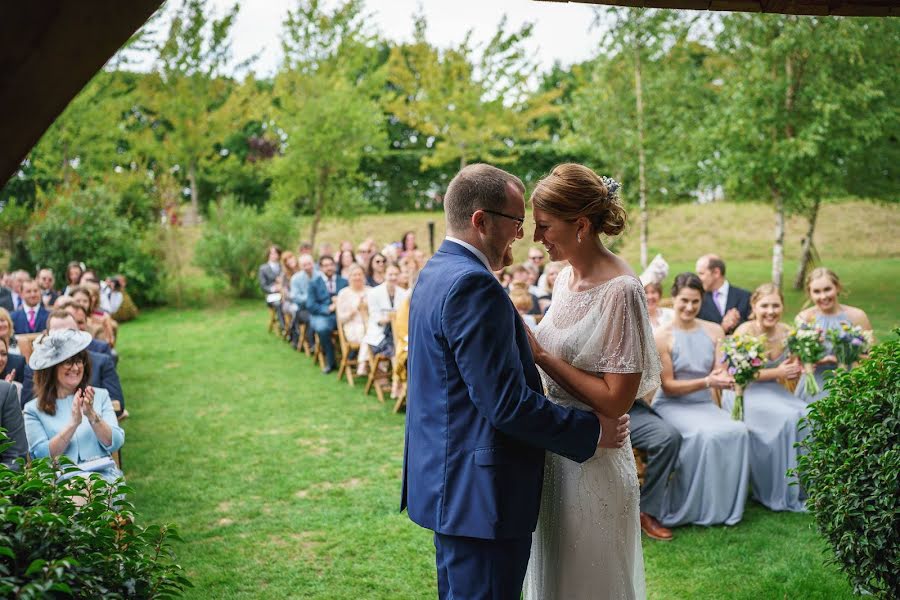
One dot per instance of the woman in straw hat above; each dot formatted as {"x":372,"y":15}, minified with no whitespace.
{"x":67,"y":416}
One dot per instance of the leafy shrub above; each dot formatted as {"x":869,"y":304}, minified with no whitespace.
{"x":851,"y":470}
{"x":84,"y":226}
{"x":52,"y":547}
{"x":235,"y":240}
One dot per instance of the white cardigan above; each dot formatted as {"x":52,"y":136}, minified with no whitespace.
{"x":379,"y":304}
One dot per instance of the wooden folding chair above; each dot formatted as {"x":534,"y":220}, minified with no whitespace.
{"x":286,"y":332}
{"x":273,"y":319}
{"x":347,"y":363}
{"x":319,"y":355}
{"x":375,"y":362}
{"x":303,"y":343}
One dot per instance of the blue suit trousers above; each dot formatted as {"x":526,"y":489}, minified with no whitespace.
{"x":476,"y":569}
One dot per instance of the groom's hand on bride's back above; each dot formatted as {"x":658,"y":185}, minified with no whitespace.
{"x":613,"y":432}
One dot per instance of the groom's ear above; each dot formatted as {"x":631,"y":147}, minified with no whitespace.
{"x":477,"y":220}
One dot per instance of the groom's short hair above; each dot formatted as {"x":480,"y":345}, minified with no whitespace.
{"x":476,"y":186}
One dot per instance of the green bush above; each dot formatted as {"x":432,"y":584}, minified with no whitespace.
{"x":84,"y":226}
{"x":235,"y":239}
{"x":851,"y":470}
{"x":53,"y":547}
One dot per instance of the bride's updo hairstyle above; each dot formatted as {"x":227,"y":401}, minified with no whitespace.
{"x":572,"y":191}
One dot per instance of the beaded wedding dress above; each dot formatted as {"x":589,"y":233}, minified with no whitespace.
{"x":587,"y":544}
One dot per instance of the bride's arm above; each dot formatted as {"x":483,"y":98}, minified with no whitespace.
{"x":611,"y":395}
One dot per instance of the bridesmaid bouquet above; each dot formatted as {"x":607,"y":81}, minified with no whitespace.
{"x":849,"y":343}
{"x":744,"y":356}
{"x":806,"y":341}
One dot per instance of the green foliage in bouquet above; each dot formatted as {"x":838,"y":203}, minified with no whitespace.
{"x":236,"y":242}
{"x":851,"y":470}
{"x":78,"y":539}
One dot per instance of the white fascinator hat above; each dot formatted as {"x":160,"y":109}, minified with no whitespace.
{"x":56,"y":346}
{"x":655,"y":272}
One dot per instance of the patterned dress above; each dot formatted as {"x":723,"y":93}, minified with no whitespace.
{"x":587,"y":544}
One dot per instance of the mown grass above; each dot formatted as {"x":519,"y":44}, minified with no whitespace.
{"x":285,"y":482}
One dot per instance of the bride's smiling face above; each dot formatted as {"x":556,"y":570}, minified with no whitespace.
{"x":557,"y":235}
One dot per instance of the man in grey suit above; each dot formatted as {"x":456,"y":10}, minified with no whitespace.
{"x":268,"y":280}
{"x":11,"y":420}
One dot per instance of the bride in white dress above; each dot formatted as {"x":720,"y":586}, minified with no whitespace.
{"x":596,"y":352}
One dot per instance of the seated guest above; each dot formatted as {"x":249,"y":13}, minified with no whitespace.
{"x":32,"y":317}
{"x":536,"y":258}
{"x":6,"y":294}
{"x":18,"y":279}
{"x":722,"y":303}
{"x":290,"y":264}
{"x":100,"y":325}
{"x":81,"y":321}
{"x":407,"y":244}
{"x":351,"y":309}
{"x":364,"y":253}
{"x":322,"y":292}
{"x":400,"y":328}
{"x":267,"y":276}
{"x":521,"y":299}
{"x":11,"y":420}
{"x":299,"y":295}
{"x":45,"y":281}
{"x":382,"y":302}
{"x":345,"y":259}
{"x":520,"y":274}
{"x":74,"y":270}
{"x":710,"y":483}
{"x":68,"y":416}
{"x":375,"y":271}
{"x":113,"y":294}
{"x":409,"y":273}
{"x":6,"y":330}
{"x":102,"y":375}
{"x":772,"y":413}
{"x":12,"y":366}
{"x":652,"y":279}
{"x":823,"y":288}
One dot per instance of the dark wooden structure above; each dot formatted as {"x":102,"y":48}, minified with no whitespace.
{"x":49,"y":50}
{"x":842,"y":8}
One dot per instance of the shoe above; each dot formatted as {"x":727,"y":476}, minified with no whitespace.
{"x":327,"y":370}
{"x":654,"y":528}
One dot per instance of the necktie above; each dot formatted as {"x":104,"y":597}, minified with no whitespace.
{"x":31,"y":318}
{"x":716,"y":296}
{"x":331,"y":286}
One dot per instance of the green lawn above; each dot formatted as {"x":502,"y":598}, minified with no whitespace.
{"x":285,"y":482}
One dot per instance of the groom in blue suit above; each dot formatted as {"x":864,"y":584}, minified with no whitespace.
{"x":477,"y":424}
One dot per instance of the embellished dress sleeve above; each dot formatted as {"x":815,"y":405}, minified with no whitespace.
{"x":619,"y":336}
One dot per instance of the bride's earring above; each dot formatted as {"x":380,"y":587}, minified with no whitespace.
{"x":579,"y":237}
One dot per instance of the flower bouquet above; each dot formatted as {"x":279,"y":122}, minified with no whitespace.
{"x":806,"y":341}
{"x":849,"y":342}
{"x":744,"y":356}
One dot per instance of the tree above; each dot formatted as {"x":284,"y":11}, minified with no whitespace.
{"x":802,"y":97}
{"x":625,"y":111}
{"x":183,"y":97}
{"x":326,"y":110}
{"x":469,"y":105}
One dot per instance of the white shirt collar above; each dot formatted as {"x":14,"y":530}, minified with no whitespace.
{"x":471,"y":249}
{"x":723,"y":296}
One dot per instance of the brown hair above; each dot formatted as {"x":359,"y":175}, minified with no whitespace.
{"x":58,"y":313}
{"x":521,"y":298}
{"x":823,"y":272}
{"x":45,"y":388}
{"x":475,"y":187}
{"x":91,"y":293}
{"x":656,"y":286}
{"x":687,"y":280}
{"x":572,"y":191}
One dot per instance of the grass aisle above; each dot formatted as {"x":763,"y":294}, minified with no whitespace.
{"x":285,"y":483}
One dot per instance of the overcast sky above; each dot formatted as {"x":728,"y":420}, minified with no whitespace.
{"x":562,"y":30}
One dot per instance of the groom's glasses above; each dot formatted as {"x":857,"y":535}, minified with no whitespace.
{"x":520,"y":221}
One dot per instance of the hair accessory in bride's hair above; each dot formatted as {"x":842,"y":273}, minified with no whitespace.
{"x":612,"y":186}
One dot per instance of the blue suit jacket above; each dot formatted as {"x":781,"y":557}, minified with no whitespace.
{"x":17,"y":362}
{"x":476,"y":422}
{"x":738,"y":298}
{"x":103,"y":375}
{"x":319,"y":298}
{"x":20,"y":320}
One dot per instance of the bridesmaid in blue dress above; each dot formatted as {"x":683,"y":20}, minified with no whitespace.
{"x":709,"y":485}
{"x":771,"y":412}
{"x":823,"y":288}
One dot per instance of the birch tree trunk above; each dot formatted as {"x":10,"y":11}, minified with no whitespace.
{"x":642,"y":177}
{"x":806,"y":256}
{"x":778,"y":248}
